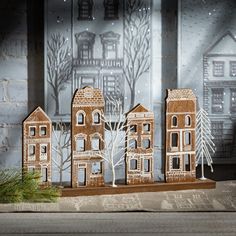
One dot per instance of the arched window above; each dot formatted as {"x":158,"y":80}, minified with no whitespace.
{"x":187,"y":120}
{"x":174,"y":121}
{"x":96,"y":118}
{"x":80,"y":118}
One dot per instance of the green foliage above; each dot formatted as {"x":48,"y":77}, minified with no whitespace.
{"x":14,"y":188}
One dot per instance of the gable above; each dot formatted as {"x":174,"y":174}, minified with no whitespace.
{"x":138,"y":108}
{"x":37,"y":115}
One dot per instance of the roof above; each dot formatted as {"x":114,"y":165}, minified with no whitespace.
{"x":37,"y":114}
{"x":88,"y":96}
{"x":180,"y":94}
{"x":138,"y":108}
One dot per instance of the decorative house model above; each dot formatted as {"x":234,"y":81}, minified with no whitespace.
{"x":37,"y":144}
{"x":180,"y":135}
{"x":139,"y":146}
{"x":87,"y":137}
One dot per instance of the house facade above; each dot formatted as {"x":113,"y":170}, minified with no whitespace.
{"x":219,"y":93}
{"x":87,"y":137}
{"x":139,"y":146}
{"x":37,"y":136}
{"x":180,"y":135}
{"x":98,"y":54}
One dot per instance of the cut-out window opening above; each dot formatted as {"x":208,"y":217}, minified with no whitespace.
{"x":146,"y":164}
{"x":80,"y":118}
{"x":133,"y":164}
{"x":176,"y":162}
{"x":187,"y":120}
{"x":132,"y":143}
{"x":44,"y":174}
{"x":31,"y":149}
{"x":111,"y":9}
{"x":133,"y":128}
{"x":96,"y":167}
{"x":187,"y":138}
{"x":174,"y":121}
{"x":146,"y":143}
{"x":174,"y":139}
{"x":43,"y":149}
{"x":95,"y":143}
{"x":85,"y":9}
{"x":32,"y":131}
{"x":96,"y":118}
{"x":80,"y":144}
{"x":146,"y":127}
{"x":31,"y":169}
{"x":43,"y":131}
{"x":187,"y":162}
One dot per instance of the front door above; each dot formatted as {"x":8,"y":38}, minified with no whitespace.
{"x":82,"y":177}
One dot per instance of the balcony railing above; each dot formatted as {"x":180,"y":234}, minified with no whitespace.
{"x":104,"y":63}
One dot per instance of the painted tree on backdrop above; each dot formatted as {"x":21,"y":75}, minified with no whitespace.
{"x":62,"y":148}
{"x":115,"y":135}
{"x":59,"y":66}
{"x":137,"y":43}
{"x":204,"y":144}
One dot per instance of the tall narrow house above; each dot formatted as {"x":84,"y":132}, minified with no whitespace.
{"x":180,"y":135}
{"x":87,"y":135}
{"x":139,"y":146}
{"x":36,"y":148}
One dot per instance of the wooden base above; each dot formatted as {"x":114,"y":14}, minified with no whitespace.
{"x":155,"y":187}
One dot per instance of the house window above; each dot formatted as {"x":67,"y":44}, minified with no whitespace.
{"x":80,"y":118}
{"x":80,"y":144}
{"x":31,"y":151}
{"x":43,"y":131}
{"x":233,"y":100}
{"x":187,"y":162}
{"x":187,"y":120}
{"x":32,"y":131}
{"x":31,"y":169}
{"x":146,"y":127}
{"x":87,"y":81}
{"x":85,"y":9}
{"x":110,"y":50}
{"x":174,"y":121}
{"x":174,"y":139}
{"x":133,"y":164}
{"x":217,"y":100}
{"x":43,"y":149}
{"x":233,"y":68}
{"x":95,"y":143}
{"x":133,"y":143}
{"x":96,"y":167}
{"x":146,"y":143}
{"x":218,"y":68}
{"x":146,"y":164}
{"x":85,"y":50}
{"x":44,"y":174}
{"x":96,"y":118}
{"x":176,"y":162}
{"x":111,"y":9}
{"x":217,"y":130}
{"x":133,"y":128}
{"x":187,"y":138}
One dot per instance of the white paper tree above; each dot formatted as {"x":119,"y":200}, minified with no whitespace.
{"x":204,"y":144}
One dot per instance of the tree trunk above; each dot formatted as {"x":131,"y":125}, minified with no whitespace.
{"x":57,"y":105}
{"x":61,"y":173}
{"x":132,"y":97}
{"x":113,"y":177}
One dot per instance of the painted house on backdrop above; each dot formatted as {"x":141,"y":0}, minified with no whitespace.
{"x":87,"y":135}
{"x":139,"y":146}
{"x":180,"y":135}
{"x":37,"y":140}
{"x":219,"y":94}
{"x":98,"y":54}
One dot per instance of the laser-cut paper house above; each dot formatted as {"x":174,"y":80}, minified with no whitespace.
{"x":139,"y":146}
{"x":180,"y":135}
{"x":87,"y":137}
{"x":36,"y":146}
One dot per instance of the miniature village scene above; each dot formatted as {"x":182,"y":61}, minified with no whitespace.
{"x":97,"y":143}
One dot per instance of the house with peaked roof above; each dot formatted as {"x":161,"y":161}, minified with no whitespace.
{"x":139,"y":165}
{"x":87,"y":137}
{"x":180,"y":135}
{"x":219,"y":93}
{"x":36,"y":145}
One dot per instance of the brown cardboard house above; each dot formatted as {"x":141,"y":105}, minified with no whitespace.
{"x":180,"y":135}
{"x":36,"y":146}
{"x":87,"y":137}
{"x":139,"y":146}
